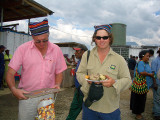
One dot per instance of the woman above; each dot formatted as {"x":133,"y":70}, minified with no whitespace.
{"x":137,"y":103}
{"x":105,"y":61}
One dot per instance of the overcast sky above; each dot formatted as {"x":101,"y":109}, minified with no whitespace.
{"x":74,"y":20}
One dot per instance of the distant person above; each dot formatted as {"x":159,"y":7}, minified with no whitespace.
{"x":151,"y":56}
{"x":129,"y":57}
{"x":136,"y":59}
{"x":7,"y":58}
{"x":2,"y":67}
{"x":68,"y":61}
{"x":155,"y":65}
{"x":76,"y":105}
{"x":104,"y":105}
{"x":140,"y":85}
{"x":42,"y":66}
{"x":131,"y":66}
{"x":73,"y":60}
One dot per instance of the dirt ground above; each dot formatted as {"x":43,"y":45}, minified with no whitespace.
{"x":9,"y":105}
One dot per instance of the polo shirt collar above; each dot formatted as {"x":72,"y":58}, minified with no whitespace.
{"x":111,"y":52}
{"x":32,"y":44}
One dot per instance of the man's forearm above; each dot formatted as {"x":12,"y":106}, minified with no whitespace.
{"x":59,"y":78}
{"x":10,"y":78}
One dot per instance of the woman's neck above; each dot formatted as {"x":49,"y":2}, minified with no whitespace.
{"x":103,"y":51}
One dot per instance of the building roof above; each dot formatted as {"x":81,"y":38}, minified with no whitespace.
{"x":22,"y":9}
{"x":67,"y":44}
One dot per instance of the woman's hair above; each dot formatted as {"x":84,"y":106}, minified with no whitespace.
{"x":142,"y":53}
{"x":109,"y":34}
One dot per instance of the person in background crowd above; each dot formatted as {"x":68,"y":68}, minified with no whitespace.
{"x":155,"y":65}
{"x":73,"y":60}
{"x":129,"y":58}
{"x":76,"y":105}
{"x":137,"y":102}
{"x":68,"y":61}
{"x":131,"y":65}
{"x":136,"y":59}
{"x":2,"y":67}
{"x":151,"y":56}
{"x":7,"y":58}
{"x":42,"y":66}
{"x":103,"y":60}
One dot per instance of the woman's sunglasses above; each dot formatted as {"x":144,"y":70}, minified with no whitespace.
{"x":104,"y":37}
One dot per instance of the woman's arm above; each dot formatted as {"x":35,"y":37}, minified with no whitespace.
{"x":147,"y":74}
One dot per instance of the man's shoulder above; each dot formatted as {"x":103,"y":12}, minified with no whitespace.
{"x":54,"y":46}
{"x":26,"y":44}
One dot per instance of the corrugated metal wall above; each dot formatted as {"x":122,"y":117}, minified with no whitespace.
{"x":11,"y":40}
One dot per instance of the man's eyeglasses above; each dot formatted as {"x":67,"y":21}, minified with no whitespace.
{"x":39,"y":41}
{"x":104,"y":37}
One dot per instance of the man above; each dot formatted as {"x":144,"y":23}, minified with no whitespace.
{"x":42,"y":66}
{"x":2,"y":48}
{"x":68,"y":61}
{"x":136,"y":59}
{"x":155,"y":65}
{"x":76,"y":105}
{"x":131,"y":65}
{"x":7,"y":58}
{"x":151,"y":56}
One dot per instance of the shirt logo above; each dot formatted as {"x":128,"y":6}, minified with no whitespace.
{"x":112,"y":67}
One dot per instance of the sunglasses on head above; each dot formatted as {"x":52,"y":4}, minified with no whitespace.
{"x":39,"y":41}
{"x":104,"y":37}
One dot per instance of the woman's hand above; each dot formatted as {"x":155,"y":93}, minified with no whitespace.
{"x":109,"y":82}
{"x":152,"y":75}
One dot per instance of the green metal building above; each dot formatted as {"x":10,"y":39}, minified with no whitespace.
{"x":119,"y":33}
{"x":119,"y":43}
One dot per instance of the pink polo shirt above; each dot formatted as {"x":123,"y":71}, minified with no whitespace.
{"x":37,"y":72}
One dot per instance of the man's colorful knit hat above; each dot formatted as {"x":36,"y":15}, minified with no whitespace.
{"x":104,"y":27}
{"x":39,"y":28}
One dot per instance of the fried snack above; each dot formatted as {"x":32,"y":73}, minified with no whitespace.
{"x":102,"y":77}
{"x":96,"y":77}
{"x":87,"y":76}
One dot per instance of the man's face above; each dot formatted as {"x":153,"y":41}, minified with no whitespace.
{"x":41,"y":41}
{"x":2,"y":49}
{"x":7,"y":52}
{"x":79,"y":53}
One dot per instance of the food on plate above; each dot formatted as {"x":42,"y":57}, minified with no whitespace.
{"x":87,"y":76}
{"x":102,"y":77}
{"x":96,"y":77}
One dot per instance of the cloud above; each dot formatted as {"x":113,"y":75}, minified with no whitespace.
{"x":68,"y":33}
{"x":73,"y":20}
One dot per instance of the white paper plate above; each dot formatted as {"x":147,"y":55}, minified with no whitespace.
{"x":96,"y":80}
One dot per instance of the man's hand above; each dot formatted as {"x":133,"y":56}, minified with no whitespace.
{"x":57,"y":86}
{"x":19,"y":93}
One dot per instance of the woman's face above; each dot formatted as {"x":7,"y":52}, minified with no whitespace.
{"x":102,"y":40}
{"x":146,"y":57}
